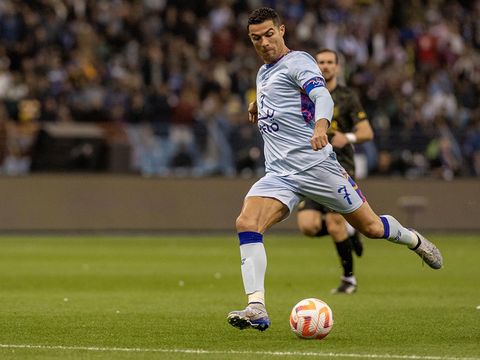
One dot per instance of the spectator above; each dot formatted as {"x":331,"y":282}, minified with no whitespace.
{"x":92,"y":61}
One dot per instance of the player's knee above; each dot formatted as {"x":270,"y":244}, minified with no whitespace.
{"x":245,"y":223}
{"x":309,"y":229}
{"x":372,"y":230}
{"x":336,"y":226}
{"x":335,"y":229}
{"x":309,"y":222}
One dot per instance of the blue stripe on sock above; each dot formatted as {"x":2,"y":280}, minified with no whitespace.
{"x":386,"y":227}
{"x":250,"y":237}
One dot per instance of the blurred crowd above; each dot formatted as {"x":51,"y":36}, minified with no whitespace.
{"x":174,"y":78}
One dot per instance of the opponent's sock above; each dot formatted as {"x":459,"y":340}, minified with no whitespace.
{"x":350,"y":229}
{"x":395,"y":232}
{"x":344,"y":250}
{"x":254,"y":261}
{"x":351,"y":279}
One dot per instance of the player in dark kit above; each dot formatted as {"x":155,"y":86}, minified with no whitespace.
{"x":349,"y":126}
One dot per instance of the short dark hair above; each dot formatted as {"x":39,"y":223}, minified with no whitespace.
{"x":325,"y":50}
{"x":263,"y":14}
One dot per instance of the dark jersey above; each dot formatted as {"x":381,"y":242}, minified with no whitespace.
{"x":346,"y":114}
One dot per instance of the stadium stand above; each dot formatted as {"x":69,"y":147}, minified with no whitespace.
{"x":170,"y":82}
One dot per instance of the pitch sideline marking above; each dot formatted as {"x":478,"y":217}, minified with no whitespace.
{"x":233,"y":352}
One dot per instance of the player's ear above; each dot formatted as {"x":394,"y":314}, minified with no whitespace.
{"x":282,"y":29}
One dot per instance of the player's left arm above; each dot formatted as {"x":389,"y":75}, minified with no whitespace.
{"x":323,"y":115}
{"x":361,"y":131}
{"x":305,"y":73}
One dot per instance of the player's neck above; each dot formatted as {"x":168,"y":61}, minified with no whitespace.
{"x":284,"y":52}
{"x":332,"y":84}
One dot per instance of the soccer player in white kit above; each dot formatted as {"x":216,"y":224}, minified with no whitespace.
{"x":293,"y":111}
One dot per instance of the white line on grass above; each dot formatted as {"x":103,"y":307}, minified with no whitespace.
{"x":233,"y":352}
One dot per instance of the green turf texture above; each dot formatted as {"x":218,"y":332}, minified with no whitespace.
{"x":173,"y":292}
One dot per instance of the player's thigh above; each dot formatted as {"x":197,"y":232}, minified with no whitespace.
{"x":329,"y":184}
{"x":366,"y":221}
{"x":309,"y":221}
{"x":260,"y":213}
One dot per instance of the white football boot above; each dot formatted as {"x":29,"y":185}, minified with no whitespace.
{"x":428,"y":252}
{"x":254,"y":316}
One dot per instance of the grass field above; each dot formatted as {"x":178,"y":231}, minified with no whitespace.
{"x":166,"y":297}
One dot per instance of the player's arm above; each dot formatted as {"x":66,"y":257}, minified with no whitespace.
{"x":323,"y":115}
{"x":361,"y":133}
{"x":306,"y":74}
{"x":253,"y":112}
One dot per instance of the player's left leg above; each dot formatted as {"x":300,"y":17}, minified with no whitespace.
{"x":329,"y":184}
{"x":336,"y":226}
{"x":355,"y":240}
{"x":387,"y":227}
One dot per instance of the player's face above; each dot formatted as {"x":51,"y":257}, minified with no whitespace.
{"x":327,"y":64}
{"x":268,"y":40}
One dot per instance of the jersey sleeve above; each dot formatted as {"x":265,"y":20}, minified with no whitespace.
{"x":357,"y":113}
{"x":305,"y":72}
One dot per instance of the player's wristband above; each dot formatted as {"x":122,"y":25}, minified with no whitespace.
{"x":351,"y":137}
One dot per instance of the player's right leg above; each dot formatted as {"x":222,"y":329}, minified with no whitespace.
{"x":258,"y":214}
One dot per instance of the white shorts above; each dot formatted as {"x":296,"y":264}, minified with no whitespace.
{"x":326,"y":183}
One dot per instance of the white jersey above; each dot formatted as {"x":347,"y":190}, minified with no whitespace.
{"x":286,"y":115}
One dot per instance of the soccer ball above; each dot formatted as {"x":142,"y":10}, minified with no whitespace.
{"x":311,"y":319}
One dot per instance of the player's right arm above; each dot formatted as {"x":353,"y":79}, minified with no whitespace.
{"x":253,"y":112}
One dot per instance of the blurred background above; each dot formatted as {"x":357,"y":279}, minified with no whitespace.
{"x":159,"y":89}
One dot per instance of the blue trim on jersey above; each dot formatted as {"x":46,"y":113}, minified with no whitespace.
{"x":313,"y":83}
{"x":268,"y":66}
{"x":386,"y":227}
{"x":250,"y":237}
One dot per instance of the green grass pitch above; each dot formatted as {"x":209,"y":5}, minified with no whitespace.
{"x":166,"y":297}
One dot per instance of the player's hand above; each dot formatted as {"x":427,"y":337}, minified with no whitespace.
{"x":319,"y":138}
{"x":253,"y":112}
{"x":339,"y":140}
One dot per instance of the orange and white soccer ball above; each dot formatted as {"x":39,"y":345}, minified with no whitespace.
{"x":311,"y":319}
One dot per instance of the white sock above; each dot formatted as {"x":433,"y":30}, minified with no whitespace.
{"x":350,"y":229}
{"x":257,"y":297}
{"x":254,"y":262}
{"x":351,"y":279}
{"x":395,"y":232}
